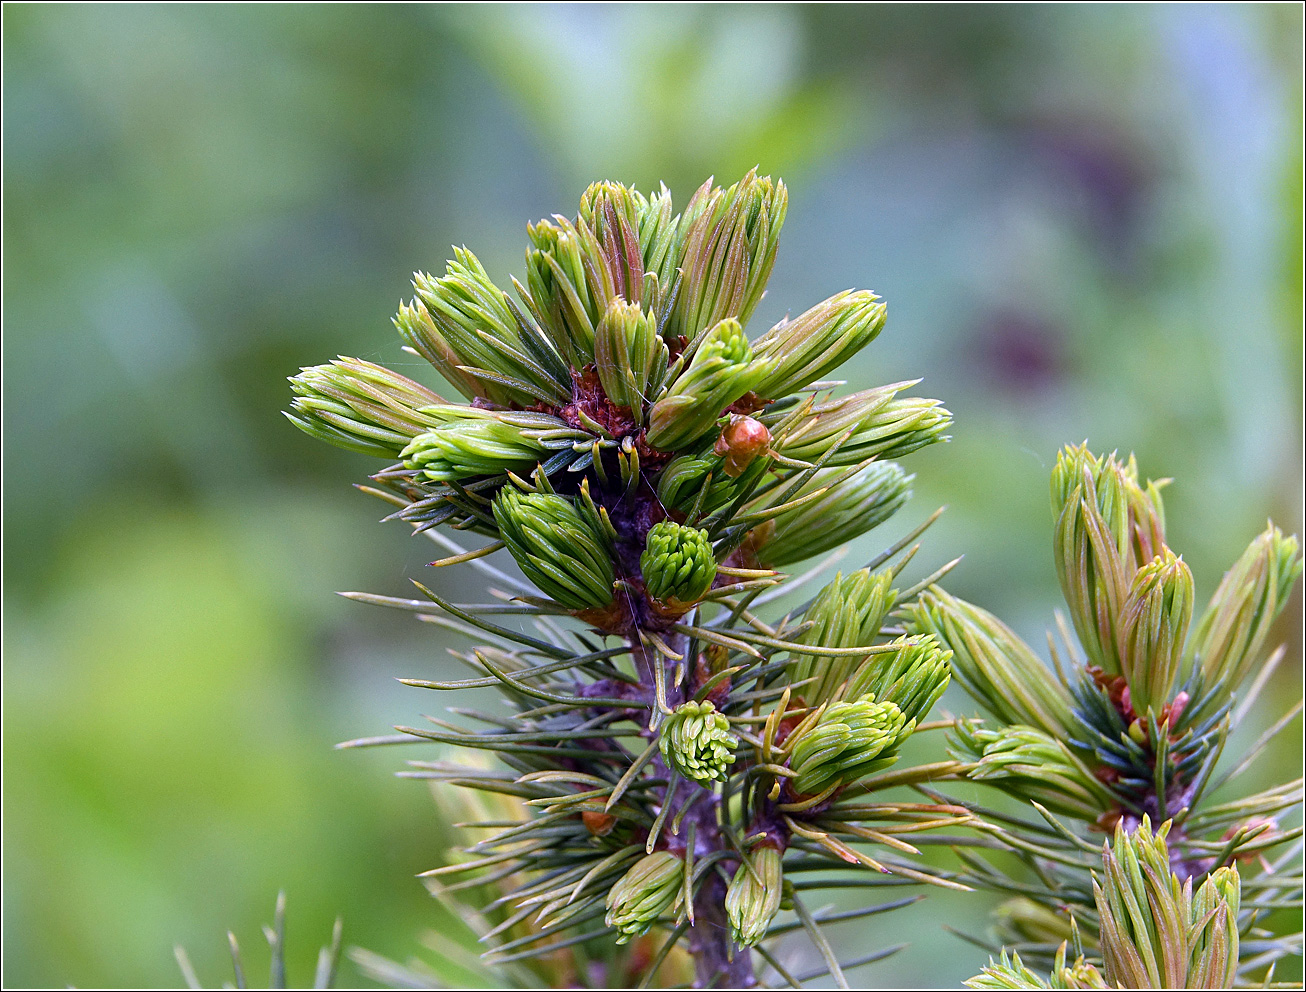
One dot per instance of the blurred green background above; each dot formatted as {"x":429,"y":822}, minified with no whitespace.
{"x":1086,"y":221}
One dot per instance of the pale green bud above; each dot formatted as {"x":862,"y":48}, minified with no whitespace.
{"x":847,"y":741}
{"x":1153,"y":934}
{"x":363,"y":407}
{"x":1229,"y":637}
{"x":753,"y":898}
{"x":630,"y":357}
{"x":801,"y":351}
{"x":1106,"y":527}
{"x":726,"y":244}
{"x":467,"y":442}
{"x":882,"y":427}
{"x":678,"y":563}
{"x":847,"y":613}
{"x":720,"y":372}
{"x":1153,"y":625}
{"x":1027,"y":763}
{"x":1012,"y":973}
{"x":556,"y":547}
{"x":697,"y":742}
{"x":468,"y":329}
{"x":912,"y":677}
{"x":559,"y":293}
{"x":1214,"y":960}
{"x":847,"y":510}
{"x":994,"y":665}
{"x":652,"y":887}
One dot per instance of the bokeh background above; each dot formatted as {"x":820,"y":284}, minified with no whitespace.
{"x":1086,"y":221}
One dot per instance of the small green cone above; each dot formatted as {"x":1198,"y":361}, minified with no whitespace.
{"x":697,"y":742}
{"x":753,"y":898}
{"x":652,"y":887}
{"x":556,"y":547}
{"x":678,"y":564}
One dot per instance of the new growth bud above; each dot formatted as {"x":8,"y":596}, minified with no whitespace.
{"x":652,"y":887}
{"x":678,"y":564}
{"x":629,"y":356}
{"x":720,"y":372}
{"x":466,"y":327}
{"x":849,"y":507}
{"x":1027,"y":763}
{"x":728,"y":241}
{"x":1153,"y":933}
{"x":845,"y":742}
{"x":847,"y":613}
{"x":881,"y":426}
{"x":1228,"y":639}
{"x":800,"y":351}
{"x":1106,"y":527}
{"x":363,"y":407}
{"x":556,"y":547}
{"x":994,"y":665}
{"x":754,"y":895}
{"x":1153,"y":625}
{"x":467,"y":442}
{"x":697,"y":742}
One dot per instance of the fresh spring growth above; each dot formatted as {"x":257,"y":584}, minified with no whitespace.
{"x":466,"y":443}
{"x":1129,"y":725}
{"x":847,"y":613}
{"x":1012,"y":973}
{"x":845,"y":742}
{"x":728,"y":241}
{"x":722,"y":371}
{"x":912,"y":674}
{"x":696,"y":741}
{"x":622,"y":439}
{"x":556,"y":548}
{"x":629,"y":356}
{"x":360,"y":406}
{"x":993,"y":664}
{"x":1106,"y":526}
{"x":801,"y":351}
{"x":849,"y":504}
{"x":754,"y":895}
{"x":649,"y":890}
{"x":678,"y":564}
{"x":881,"y":426}
{"x":1231,"y":634}
{"x":1032,"y":765}
{"x":1156,"y":933}
{"x":467,"y":328}
{"x":1153,"y":626}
